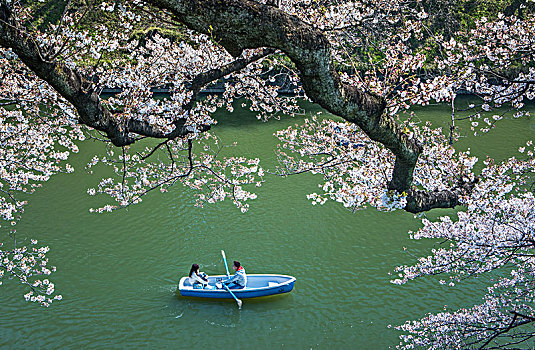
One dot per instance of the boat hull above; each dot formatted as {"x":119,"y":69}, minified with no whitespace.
{"x":257,"y":286}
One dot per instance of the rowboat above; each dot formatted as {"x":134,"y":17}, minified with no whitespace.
{"x":258,"y":285}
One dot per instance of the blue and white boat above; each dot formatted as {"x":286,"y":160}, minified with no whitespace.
{"x":258,"y":285}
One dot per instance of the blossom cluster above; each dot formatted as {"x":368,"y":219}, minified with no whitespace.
{"x":493,"y":61}
{"x":495,"y":232}
{"x":259,"y":86}
{"x":36,"y":138}
{"x":379,"y":46}
{"x":357,"y":170}
{"x":214,"y":177}
{"x":29,"y":265}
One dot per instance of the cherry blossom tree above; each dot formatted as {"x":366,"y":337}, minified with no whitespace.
{"x":366,"y":62}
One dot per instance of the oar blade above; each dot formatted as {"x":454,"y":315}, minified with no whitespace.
{"x":240,"y":303}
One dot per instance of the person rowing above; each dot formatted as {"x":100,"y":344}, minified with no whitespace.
{"x":239,"y":280}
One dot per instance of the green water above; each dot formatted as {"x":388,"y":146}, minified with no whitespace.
{"x":118,"y":272}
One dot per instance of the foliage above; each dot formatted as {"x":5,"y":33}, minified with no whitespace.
{"x":26,"y":264}
{"x":496,"y":232}
{"x":365,"y":61}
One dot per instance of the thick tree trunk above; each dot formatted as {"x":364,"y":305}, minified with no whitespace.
{"x":239,"y":25}
{"x":244,"y":24}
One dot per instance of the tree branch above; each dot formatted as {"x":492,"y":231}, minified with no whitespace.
{"x":238,"y":25}
{"x":215,"y":74}
{"x":418,"y":201}
{"x":72,"y":86}
{"x":512,"y":324}
{"x":241,"y":24}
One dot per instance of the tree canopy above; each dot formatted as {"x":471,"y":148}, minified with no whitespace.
{"x":367,"y":62}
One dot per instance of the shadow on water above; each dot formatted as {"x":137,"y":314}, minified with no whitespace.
{"x":118,"y":272}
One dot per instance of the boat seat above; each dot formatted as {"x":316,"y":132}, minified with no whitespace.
{"x":272,"y":284}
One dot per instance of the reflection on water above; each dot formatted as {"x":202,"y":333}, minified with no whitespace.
{"x":118,"y":272}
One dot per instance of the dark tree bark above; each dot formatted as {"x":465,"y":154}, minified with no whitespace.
{"x":205,"y":78}
{"x":239,"y":25}
{"x":75,"y":88}
{"x":244,"y":24}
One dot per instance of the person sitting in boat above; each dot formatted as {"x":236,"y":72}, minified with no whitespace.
{"x":197,"y":278}
{"x":239,"y":280}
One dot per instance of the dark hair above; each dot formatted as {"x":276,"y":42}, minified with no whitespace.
{"x":194,"y":268}
{"x":237,"y":263}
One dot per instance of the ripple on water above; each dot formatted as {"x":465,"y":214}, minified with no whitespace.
{"x":118,"y":272}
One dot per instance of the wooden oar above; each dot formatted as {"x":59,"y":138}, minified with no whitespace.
{"x":240,"y":303}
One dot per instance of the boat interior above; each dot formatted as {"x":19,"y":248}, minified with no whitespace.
{"x":253,"y":281}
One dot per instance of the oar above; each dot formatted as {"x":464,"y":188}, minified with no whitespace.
{"x":226,"y":287}
{"x":225,"y":260}
{"x":235,"y":298}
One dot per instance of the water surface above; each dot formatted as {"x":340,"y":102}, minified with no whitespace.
{"x":118,"y":272}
